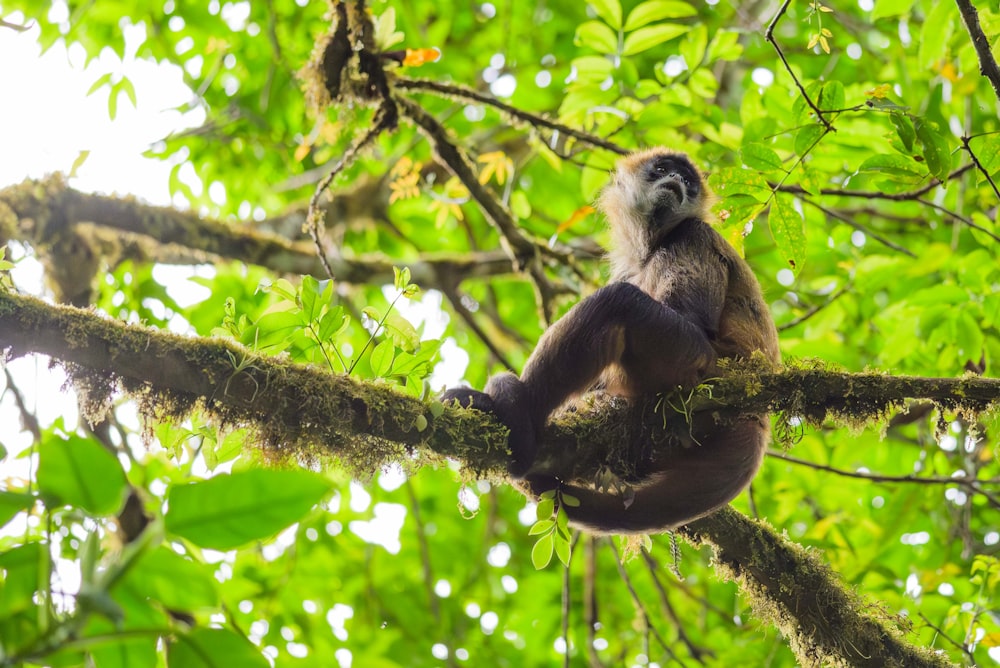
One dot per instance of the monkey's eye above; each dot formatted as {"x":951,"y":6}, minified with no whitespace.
{"x":662,"y":168}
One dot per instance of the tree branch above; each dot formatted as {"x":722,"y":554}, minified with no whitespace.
{"x":44,"y":209}
{"x":825,"y":623}
{"x":987,"y":63}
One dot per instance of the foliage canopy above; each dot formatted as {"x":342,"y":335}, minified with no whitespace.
{"x":855,"y":154}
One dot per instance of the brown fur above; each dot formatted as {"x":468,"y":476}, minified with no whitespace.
{"x":680,"y":299}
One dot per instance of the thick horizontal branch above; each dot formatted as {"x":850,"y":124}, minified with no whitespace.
{"x":44,"y":209}
{"x":296,"y":410}
{"x":293,"y":409}
{"x":334,"y":412}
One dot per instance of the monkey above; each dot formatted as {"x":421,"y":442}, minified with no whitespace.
{"x":679,"y":300}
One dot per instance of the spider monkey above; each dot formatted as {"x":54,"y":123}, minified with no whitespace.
{"x":680,"y":299}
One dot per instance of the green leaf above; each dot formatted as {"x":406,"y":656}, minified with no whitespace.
{"x":808,"y":137}
{"x":333,"y":323}
{"x":541,"y":553}
{"x":309,"y":296}
{"x":904,"y":129}
{"x":11,"y":503}
{"x":937,"y":29}
{"x":886,"y":8}
{"x":831,"y":96}
{"x":646,"y":38}
{"x":273,"y":329}
{"x":610,"y":12}
{"x":78,"y":163}
{"x":787,"y":229}
{"x":402,"y":332}
{"x":381,"y":359}
{"x":893,"y":166}
{"x":24,"y":568}
{"x":562,"y":547}
{"x":935,"y":148}
{"x":693,"y":46}
{"x":725,"y":46}
{"x":731,"y":181}
{"x":122,"y":652}
{"x":968,"y":335}
{"x":541,"y":526}
{"x":597,"y":36}
{"x":213,"y":648}
{"x":126,"y":86}
{"x":157,"y":572}
{"x":545,"y":508}
{"x":657,"y":10}
{"x":760,"y":157}
{"x":80,"y":472}
{"x":231,"y":510}
{"x":103,"y":80}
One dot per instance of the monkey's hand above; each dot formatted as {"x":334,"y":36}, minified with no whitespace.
{"x":506,"y":397}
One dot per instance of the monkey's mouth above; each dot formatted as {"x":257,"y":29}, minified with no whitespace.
{"x":674,"y":186}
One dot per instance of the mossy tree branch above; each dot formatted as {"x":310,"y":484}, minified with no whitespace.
{"x":43,"y":210}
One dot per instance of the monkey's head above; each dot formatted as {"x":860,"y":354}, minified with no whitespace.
{"x":651,"y":192}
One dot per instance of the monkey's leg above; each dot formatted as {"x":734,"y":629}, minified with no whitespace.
{"x":656,"y":348}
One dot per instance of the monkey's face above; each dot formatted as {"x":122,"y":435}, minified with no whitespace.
{"x":655,"y":189}
{"x":674,"y":179}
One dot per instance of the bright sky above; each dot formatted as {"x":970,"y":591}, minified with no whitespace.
{"x":48,"y":119}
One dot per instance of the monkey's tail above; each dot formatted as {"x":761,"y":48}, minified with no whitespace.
{"x":700,"y":480}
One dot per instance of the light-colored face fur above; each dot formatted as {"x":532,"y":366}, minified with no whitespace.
{"x":630,"y":200}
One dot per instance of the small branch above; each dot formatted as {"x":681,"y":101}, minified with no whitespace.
{"x":315,"y":216}
{"x":960,"y":218}
{"x":640,"y":608}
{"x":470,"y":321}
{"x":987,"y":63}
{"x":167,"y":235}
{"x":979,"y":165}
{"x":971,"y":484}
{"x":909,"y":196}
{"x":512,"y":240}
{"x":697,"y":653}
{"x":425,"y":551}
{"x":812,"y":311}
{"x":463,"y":93}
{"x":769,"y":36}
{"x":28,"y":419}
{"x":861,"y":228}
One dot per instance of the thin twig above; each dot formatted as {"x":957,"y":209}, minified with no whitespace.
{"x":908,"y":196}
{"x":455,"y":91}
{"x":769,"y":36}
{"x":861,"y":228}
{"x":979,"y":165}
{"x":315,"y":215}
{"x":470,"y":321}
{"x":696,"y":652}
{"x":972,"y":484}
{"x":968,"y":222}
{"x":640,"y":607}
{"x":813,"y":311}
